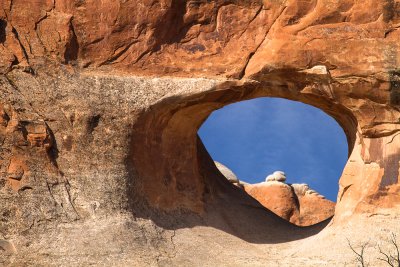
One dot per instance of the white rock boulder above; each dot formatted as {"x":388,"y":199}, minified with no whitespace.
{"x":227,"y":173}
{"x":278,"y":176}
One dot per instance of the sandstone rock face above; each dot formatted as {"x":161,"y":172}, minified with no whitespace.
{"x":314,"y":208}
{"x":296,"y":203}
{"x":101,"y":102}
{"x":277,"y":197}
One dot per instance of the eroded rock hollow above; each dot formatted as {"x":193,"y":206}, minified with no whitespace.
{"x":100,"y":106}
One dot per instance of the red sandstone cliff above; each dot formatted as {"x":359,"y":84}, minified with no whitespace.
{"x":99,"y":126}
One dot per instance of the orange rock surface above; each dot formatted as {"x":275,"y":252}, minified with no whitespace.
{"x":300,"y":207}
{"x":315,"y":209}
{"x":101,"y":103}
{"x":277,"y":197}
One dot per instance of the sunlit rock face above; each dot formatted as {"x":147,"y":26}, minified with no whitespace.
{"x":296,"y":203}
{"x":278,"y":197}
{"x":314,"y":208}
{"x":101,"y":102}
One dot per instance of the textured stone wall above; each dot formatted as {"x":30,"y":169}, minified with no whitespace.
{"x":101,"y":102}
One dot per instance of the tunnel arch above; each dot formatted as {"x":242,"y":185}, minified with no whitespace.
{"x":173,"y":169}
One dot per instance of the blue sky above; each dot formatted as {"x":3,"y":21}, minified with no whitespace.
{"x":257,"y":137}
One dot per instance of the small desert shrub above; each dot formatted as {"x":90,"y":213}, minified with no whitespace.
{"x":390,"y":257}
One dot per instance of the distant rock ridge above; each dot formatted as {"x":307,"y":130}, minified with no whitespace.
{"x":297,"y":203}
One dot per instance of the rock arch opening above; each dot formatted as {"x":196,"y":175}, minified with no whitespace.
{"x":174,"y":172}
{"x":257,"y":137}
